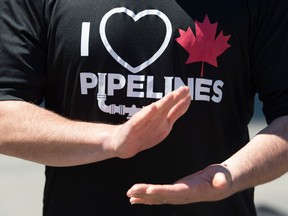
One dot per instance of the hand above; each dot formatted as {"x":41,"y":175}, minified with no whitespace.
{"x":210,"y":184}
{"x":150,"y":125}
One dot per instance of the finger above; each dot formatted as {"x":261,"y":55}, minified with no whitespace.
{"x":146,"y":201}
{"x":134,"y":200}
{"x":179,"y":109}
{"x":164,"y":105}
{"x":137,"y":189}
{"x":170,"y":100}
{"x":152,"y":194}
{"x":145,"y":197}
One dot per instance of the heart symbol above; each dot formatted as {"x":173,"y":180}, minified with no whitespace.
{"x":135,"y":17}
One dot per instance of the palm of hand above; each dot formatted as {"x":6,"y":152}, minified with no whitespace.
{"x":210,"y":184}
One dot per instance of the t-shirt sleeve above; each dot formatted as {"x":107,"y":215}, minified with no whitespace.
{"x":22,"y":50}
{"x":269,"y":57}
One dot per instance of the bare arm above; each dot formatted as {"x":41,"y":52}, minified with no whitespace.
{"x":263,"y":159}
{"x":35,"y":134}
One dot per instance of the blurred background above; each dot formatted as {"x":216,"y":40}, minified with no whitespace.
{"x":22,"y":182}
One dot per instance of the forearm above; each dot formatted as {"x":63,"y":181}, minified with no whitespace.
{"x":263,"y":159}
{"x":35,"y":134}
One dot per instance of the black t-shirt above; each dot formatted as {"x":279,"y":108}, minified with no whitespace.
{"x":102,"y":61}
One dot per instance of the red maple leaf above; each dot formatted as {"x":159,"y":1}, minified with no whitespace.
{"x":205,"y":46}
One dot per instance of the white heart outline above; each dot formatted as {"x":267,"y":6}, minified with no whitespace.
{"x":135,"y":17}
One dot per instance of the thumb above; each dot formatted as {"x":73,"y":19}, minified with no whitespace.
{"x":220,"y":181}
